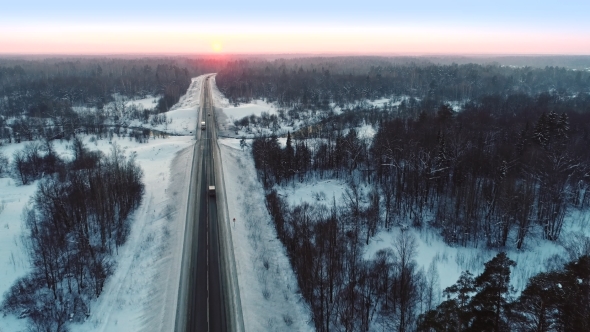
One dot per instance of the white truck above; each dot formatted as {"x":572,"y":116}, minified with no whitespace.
{"x":202,"y":125}
{"x":211,"y":190}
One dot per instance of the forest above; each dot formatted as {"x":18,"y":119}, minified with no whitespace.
{"x":506,"y":166}
{"x":76,"y":222}
{"x":489,"y":156}
{"x":38,"y":96}
{"x":317,"y":83}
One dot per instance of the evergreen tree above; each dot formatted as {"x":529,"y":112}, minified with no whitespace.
{"x":490,"y":304}
{"x":574,"y":285}
{"x":536,"y":308}
{"x":453,"y":314}
{"x":444,"y":318}
{"x":288,"y":160}
{"x":541,"y":131}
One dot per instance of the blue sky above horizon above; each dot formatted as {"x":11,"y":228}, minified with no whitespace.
{"x":419,"y":26}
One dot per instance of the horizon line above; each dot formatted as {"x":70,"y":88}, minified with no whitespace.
{"x":336,"y":54}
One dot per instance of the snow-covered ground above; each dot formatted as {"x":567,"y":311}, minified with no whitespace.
{"x":255,"y":107}
{"x":182,"y":117}
{"x":322,"y":191}
{"x":450,"y":261}
{"x":381,"y":102}
{"x":147,"y":103}
{"x":142,"y":295}
{"x":128,"y":292}
{"x":127,"y":300}
{"x":228,"y":113}
{"x":366,"y":132}
{"x":14,"y":262}
{"x":268,"y":287}
{"x":537,"y":256}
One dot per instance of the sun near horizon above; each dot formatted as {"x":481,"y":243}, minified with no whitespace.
{"x":217,"y":47}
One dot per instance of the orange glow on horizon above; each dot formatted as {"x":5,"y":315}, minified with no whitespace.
{"x":400,"y":40}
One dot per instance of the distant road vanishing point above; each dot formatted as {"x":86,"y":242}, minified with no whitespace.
{"x":208,"y":298}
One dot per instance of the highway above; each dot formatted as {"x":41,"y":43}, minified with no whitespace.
{"x":208,"y":299}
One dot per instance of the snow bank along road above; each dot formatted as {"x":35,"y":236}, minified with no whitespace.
{"x":208,"y":298}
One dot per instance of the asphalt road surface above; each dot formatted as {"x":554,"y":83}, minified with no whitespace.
{"x":206,"y":299}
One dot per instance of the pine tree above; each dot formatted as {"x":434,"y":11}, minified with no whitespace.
{"x":453,"y":314}
{"x":575,"y":287}
{"x":562,"y":127}
{"x":536,"y":307}
{"x":541,"y":131}
{"x":444,"y":318}
{"x":490,"y":304}
{"x":463,"y":290}
{"x":288,"y":160}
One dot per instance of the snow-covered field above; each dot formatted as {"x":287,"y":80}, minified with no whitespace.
{"x":268,"y":287}
{"x":255,"y":107}
{"x":127,"y":293}
{"x":146,"y":103}
{"x":142,"y":294}
{"x":14,"y":262}
{"x":182,"y":117}
{"x":322,"y":191}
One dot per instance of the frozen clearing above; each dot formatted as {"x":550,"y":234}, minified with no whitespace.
{"x":255,"y":107}
{"x":322,"y":191}
{"x":148,"y":103}
{"x":450,"y":261}
{"x":268,"y":287}
{"x":366,"y":131}
{"x":182,"y":117}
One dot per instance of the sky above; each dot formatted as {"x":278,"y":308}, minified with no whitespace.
{"x":295,"y":27}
